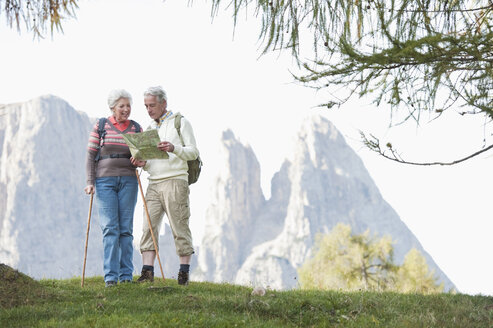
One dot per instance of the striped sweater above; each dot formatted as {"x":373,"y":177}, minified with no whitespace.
{"x":113,"y":144}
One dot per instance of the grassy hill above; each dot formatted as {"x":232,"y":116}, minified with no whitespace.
{"x":63,"y":303}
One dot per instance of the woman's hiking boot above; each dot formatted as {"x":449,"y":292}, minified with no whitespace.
{"x":110,"y":284}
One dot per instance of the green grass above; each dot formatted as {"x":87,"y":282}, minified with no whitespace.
{"x":63,"y":303}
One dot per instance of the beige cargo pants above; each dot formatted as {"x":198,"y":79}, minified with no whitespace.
{"x":170,"y":197}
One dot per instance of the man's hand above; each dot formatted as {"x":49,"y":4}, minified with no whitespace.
{"x":166,"y":146}
{"x":137,"y":163}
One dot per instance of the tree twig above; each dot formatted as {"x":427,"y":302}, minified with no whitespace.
{"x":374,"y":145}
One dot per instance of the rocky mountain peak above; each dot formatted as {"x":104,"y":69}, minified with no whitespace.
{"x":323,"y":183}
{"x":43,"y":209}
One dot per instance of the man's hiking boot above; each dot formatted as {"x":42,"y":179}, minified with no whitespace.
{"x":183,"y":278}
{"x":146,"y":276}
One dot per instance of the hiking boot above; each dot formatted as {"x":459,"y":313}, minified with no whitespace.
{"x":110,"y":284}
{"x":183,"y":278}
{"x":146,"y":276}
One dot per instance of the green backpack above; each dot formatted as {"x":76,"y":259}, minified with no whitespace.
{"x":195,"y":165}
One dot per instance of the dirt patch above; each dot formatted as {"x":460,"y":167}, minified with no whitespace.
{"x":18,"y":289}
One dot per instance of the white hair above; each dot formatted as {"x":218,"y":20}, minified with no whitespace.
{"x":158,"y":92}
{"x":116,"y":95}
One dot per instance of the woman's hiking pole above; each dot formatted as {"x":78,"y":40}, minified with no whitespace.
{"x":149,"y":223}
{"x":87,"y":239}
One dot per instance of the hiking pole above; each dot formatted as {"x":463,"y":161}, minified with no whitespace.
{"x":87,"y":239}
{"x":149,"y":223}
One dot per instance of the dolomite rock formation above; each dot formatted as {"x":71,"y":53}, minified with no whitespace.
{"x":43,"y":209}
{"x":252,"y":241}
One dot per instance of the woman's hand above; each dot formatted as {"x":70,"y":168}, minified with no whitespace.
{"x":137,"y":163}
{"x":166,"y":146}
{"x":89,"y":189}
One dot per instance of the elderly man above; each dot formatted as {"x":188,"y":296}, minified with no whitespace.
{"x":168,"y":185}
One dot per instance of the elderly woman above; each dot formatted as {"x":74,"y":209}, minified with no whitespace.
{"x":112,"y":176}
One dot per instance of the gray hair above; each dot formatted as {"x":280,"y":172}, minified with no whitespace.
{"x":158,"y":92}
{"x":116,"y":95}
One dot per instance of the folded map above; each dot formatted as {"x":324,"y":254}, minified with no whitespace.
{"x":143,"y":146}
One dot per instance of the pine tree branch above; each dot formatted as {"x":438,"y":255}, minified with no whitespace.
{"x":374,"y":145}
{"x":490,"y":7}
{"x":37,"y":14}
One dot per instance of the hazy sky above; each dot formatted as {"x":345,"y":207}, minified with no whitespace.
{"x":219,"y":82}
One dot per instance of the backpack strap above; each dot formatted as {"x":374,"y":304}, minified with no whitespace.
{"x":178,"y":127}
{"x":137,"y":126}
{"x":101,"y":127}
{"x":102,"y":134}
{"x":194,"y":166}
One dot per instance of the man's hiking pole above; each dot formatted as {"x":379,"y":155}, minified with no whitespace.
{"x":87,"y":239}
{"x":149,"y":223}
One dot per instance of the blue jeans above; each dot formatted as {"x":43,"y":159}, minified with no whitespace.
{"x":116,"y":198}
